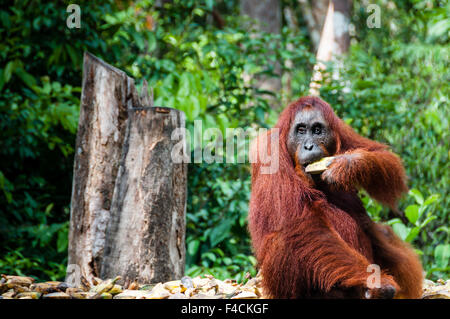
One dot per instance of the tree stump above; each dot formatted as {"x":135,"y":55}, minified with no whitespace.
{"x":127,"y":194}
{"x":145,"y":238}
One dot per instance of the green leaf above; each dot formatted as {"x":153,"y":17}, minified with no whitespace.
{"x":63,"y":241}
{"x":412,"y":234}
{"x":210,"y":256}
{"x":401,"y":230}
{"x":427,"y":220}
{"x":193,"y":247}
{"x":439,"y":29}
{"x":431,"y":199}
{"x":442,"y":255}
{"x":48,"y":209}
{"x":186,"y":82}
{"x":417,"y":195}
{"x":394,"y":221}
{"x":73,"y":55}
{"x":7,"y":72}
{"x":139,"y":40}
{"x":27,"y":78}
{"x":151,"y":40}
{"x":412,"y":212}
{"x":220,"y":232}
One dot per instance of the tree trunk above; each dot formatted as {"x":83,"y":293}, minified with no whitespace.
{"x":334,"y":41}
{"x":101,"y":130}
{"x":341,"y":21}
{"x":145,"y":238}
{"x":103,"y":142}
{"x":267,"y":14}
{"x":315,"y":13}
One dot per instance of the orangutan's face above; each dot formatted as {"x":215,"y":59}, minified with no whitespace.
{"x":310,"y":137}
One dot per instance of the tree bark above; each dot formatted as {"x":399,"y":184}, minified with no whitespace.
{"x":341,"y":21}
{"x":315,"y":12}
{"x":267,"y":14}
{"x":334,"y":40}
{"x":101,"y":130}
{"x":103,"y":140}
{"x":145,"y":237}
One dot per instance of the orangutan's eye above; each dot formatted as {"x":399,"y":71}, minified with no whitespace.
{"x":301,"y":129}
{"x":317,"y":129}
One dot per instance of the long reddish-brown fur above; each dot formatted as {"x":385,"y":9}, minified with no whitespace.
{"x":318,"y":242}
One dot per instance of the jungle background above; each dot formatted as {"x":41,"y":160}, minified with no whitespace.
{"x":204,"y":58}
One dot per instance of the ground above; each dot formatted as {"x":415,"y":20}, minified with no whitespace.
{"x":205,"y":287}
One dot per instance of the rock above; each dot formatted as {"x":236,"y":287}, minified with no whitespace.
{"x":56,"y":295}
